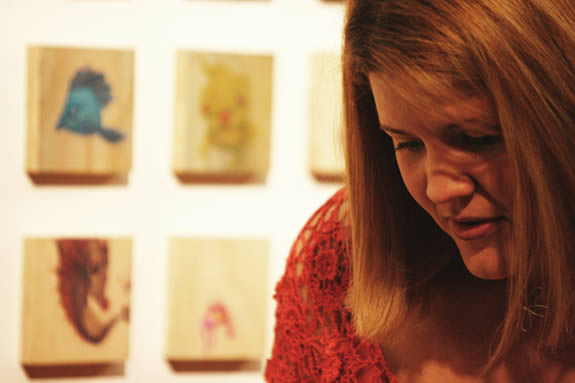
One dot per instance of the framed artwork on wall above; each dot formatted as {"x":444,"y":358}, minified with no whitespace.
{"x":76,"y":301}
{"x":217,"y":299}
{"x":326,"y":157}
{"x":222,"y":116}
{"x":80,"y":111}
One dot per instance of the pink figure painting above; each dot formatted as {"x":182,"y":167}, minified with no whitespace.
{"x":216,"y":316}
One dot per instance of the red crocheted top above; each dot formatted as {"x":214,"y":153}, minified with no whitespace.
{"x":314,"y":336}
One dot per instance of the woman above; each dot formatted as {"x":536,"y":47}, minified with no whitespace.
{"x":449,"y":256}
{"x":82,"y":281}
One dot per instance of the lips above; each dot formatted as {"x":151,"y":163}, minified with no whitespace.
{"x":470,"y":229}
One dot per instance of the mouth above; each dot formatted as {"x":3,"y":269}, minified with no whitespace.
{"x":470,"y":229}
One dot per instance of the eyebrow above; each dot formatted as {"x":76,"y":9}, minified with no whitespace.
{"x":448,"y":126}
{"x":391,"y":130}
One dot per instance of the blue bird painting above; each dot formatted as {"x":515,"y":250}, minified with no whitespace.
{"x":87,"y":96}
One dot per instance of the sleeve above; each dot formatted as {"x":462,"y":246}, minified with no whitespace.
{"x":308,"y":287}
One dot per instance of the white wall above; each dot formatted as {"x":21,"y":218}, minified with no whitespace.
{"x":153,"y":205}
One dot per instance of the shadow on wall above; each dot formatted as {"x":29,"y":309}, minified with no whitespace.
{"x":118,"y":370}
{"x":216,"y":366}
{"x":46,"y":179}
{"x":74,"y":371}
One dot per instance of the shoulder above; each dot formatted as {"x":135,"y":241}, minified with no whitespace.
{"x":329,"y":221}
{"x":317,"y":271}
{"x":320,"y":251}
{"x":314,"y":335}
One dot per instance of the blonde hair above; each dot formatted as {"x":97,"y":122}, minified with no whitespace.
{"x":521,"y":55}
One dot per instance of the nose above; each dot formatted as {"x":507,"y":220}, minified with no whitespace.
{"x":447,"y":180}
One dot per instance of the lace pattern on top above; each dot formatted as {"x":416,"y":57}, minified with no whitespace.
{"x":314,"y":336}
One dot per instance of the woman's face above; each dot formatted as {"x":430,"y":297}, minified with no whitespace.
{"x":453,"y":162}
{"x":98,"y":270}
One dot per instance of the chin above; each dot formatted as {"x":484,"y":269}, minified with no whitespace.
{"x":487,"y":263}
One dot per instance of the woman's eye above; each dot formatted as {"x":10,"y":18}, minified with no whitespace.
{"x":412,"y":146}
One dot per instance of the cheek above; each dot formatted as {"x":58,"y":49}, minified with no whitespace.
{"x":415,"y":181}
{"x":497,"y":180}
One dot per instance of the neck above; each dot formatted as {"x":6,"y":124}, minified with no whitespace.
{"x":454,"y":330}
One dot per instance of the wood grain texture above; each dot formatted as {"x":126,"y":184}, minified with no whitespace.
{"x":229,"y":272}
{"x":53,"y":151}
{"x":48,"y":336}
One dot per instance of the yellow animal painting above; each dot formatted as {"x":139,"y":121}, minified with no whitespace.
{"x":225,"y":108}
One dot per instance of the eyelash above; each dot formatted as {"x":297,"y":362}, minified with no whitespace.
{"x":411,"y":146}
{"x":464,"y":141}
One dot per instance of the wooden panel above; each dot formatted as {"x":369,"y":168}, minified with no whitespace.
{"x":326,"y":157}
{"x":217,"y":299}
{"x":76,"y":301}
{"x":222,"y":115}
{"x":80,"y":111}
